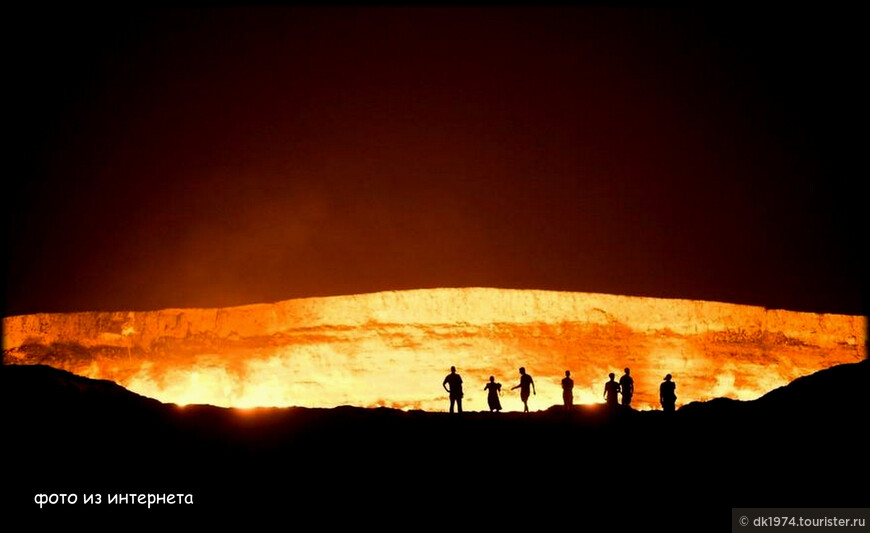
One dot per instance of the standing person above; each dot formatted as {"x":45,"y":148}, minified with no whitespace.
{"x":526,"y":384}
{"x":668,"y":394}
{"x":611,"y":392}
{"x":455,"y":381}
{"x":568,"y":389}
{"x":626,"y":385}
{"x":494,"y":392}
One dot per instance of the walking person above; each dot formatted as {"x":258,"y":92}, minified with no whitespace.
{"x":526,"y":385}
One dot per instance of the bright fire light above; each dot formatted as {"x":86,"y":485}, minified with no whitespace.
{"x":394,"y":348}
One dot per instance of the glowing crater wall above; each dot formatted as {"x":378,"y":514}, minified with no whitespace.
{"x":394,"y":348}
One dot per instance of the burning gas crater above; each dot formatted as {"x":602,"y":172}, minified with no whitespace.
{"x":394,"y":348}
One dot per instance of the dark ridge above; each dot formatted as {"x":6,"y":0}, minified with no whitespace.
{"x":798,"y":446}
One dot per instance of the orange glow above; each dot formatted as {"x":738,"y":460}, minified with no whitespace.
{"x":394,"y":348}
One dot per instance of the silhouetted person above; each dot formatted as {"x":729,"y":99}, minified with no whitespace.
{"x":626,"y":386}
{"x":568,"y":389}
{"x":494,"y":392}
{"x":611,"y":392}
{"x":455,"y":381}
{"x":526,"y":385}
{"x":668,"y":394}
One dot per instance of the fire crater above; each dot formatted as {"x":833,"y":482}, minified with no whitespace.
{"x":394,"y":348}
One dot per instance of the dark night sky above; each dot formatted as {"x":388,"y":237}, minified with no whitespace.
{"x":223,"y":157}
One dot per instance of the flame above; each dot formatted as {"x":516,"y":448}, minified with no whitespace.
{"x":393,"y":349}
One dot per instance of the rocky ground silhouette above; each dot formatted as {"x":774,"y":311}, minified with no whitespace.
{"x":798,"y":446}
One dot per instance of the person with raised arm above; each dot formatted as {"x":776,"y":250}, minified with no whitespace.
{"x":526,"y":385}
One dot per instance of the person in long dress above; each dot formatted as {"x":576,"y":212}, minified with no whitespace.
{"x":494,"y":390}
